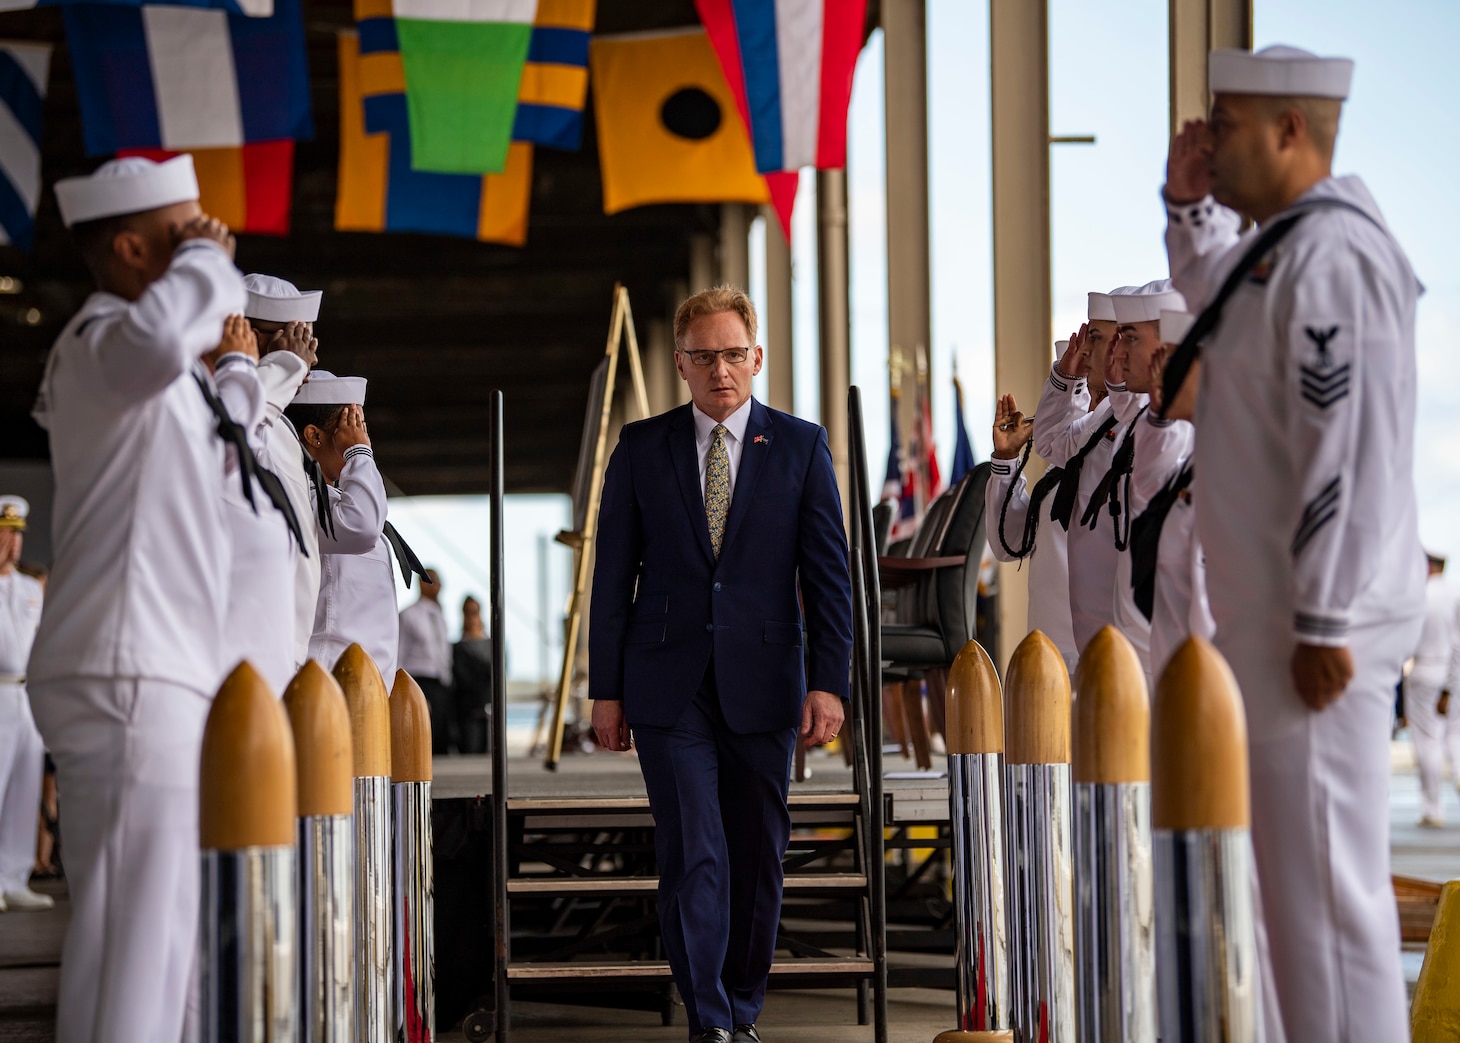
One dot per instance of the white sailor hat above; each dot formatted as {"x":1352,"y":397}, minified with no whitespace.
{"x":325,"y":389}
{"x":1145,"y":303}
{"x":13,"y":512}
{"x":1100,"y":308}
{"x":126,"y":186}
{"x":272,"y":299}
{"x":1060,"y":347}
{"x":1281,"y":71}
{"x":1174,"y":325}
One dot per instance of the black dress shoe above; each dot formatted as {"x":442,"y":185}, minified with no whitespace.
{"x":710,"y":1035}
{"x":746,"y":1034}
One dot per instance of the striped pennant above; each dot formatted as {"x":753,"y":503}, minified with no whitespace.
{"x":23,"y":72}
{"x":249,"y":8}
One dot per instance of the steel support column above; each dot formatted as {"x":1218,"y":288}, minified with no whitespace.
{"x":834,"y":300}
{"x":777,"y":329}
{"x":1198,"y":27}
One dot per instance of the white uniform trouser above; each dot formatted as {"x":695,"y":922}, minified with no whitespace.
{"x":21,"y":761}
{"x":1320,"y":831}
{"x":1436,"y":739}
{"x":126,"y":755}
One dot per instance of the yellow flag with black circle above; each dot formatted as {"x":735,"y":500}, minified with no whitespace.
{"x":668,"y":127}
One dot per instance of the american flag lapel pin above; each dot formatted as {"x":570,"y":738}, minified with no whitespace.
{"x":760,"y":440}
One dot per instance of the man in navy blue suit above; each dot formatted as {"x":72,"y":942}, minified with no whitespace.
{"x":719,"y":521}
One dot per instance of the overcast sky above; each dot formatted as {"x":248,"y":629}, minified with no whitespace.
{"x":1108,"y":77}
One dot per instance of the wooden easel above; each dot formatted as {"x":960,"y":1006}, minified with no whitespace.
{"x":620,"y":334}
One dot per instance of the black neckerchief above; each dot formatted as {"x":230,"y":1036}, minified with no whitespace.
{"x":1145,"y":539}
{"x":1042,"y":488}
{"x":249,"y":469}
{"x":1122,"y":463}
{"x":404,"y":556}
{"x":317,"y":482}
{"x":1069,"y":480}
{"x":1180,"y":362}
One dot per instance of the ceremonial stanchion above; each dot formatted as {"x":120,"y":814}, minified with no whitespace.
{"x":1037,"y":831}
{"x":374,"y":906}
{"x":326,"y":838}
{"x":248,"y":932}
{"x":1115,"y":989}
{"x":1206,"y":949}
{"x":410,"y":773}
{"x":975,"y":735}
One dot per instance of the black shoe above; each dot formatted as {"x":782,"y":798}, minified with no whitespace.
{"x":710,"y":1035}
{"x":746,"y":1034}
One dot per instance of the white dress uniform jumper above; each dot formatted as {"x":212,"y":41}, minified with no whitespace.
{"x":21,"y":754}
{"x":1309,"y":522}
{"x":126,"y":660}
{"x":1436,"y":669}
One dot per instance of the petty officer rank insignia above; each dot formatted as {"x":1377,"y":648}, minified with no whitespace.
{"x":1323,"y":383}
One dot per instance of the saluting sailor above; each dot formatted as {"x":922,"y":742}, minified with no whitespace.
{"x":1137,"y":341}
{"x":259,"y":624}
{"x":1024,"y":527}
{"x":282,"y":318}
{"x":359,"y":547}
{"x":1305,"y":447}
{"x":127,"y":660}
{"x":21,"y":754}
{"x":1075,"y":430}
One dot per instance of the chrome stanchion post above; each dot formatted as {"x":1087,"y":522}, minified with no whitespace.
{"x":369,"y":707}
{"x":326,"y":837}
{"x":1037,"y":843}
{"x":1206,"y":949}
{"x":1115,"y":988}
{"x":246,"y":826}
{"x":415,"y":946}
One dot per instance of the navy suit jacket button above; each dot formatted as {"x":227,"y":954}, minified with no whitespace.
{"x":717,"y":586}
{"x":709,"y":626}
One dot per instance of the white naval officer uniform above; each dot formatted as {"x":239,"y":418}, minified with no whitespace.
{"x":259,"y":625}
{"x":1049,"y":566}
{"x":1309,"y":522}
{"x":1436,"y":669}
{"x":22,"y":755}
{"x":272,"y":299}
{"x":126,"y":660}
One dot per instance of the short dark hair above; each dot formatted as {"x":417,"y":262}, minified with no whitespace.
{"x":304,"y":414}
{"x":94,"y":239}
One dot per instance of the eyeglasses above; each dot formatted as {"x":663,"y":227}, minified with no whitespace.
{"x":731,"y":356}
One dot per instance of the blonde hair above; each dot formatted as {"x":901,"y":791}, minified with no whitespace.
{"x":713,"y":302}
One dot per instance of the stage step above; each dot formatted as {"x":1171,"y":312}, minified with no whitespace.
{"x":658,"y":970}
{"x":566,"y":805}
{"x":609,"y":885}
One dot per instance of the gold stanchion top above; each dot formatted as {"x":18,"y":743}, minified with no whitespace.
{"x":1006,"y":1036}
{"x":975,"y":705}
{"x":369,"y":707}
{"x":1112,"y":713}
{"x":1037,"y":704}
{"x":1198,"y":744}
{"x":246,"y":785}
{"x":321,"y":723}
{"x":410,"y":731}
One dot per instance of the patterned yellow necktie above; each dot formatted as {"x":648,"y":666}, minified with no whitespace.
{"x":717,"y":489}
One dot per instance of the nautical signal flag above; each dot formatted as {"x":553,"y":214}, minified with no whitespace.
{"x":24,"y":68}
{"x":668,"y":127}
{"x":181,"y":78}
{"x":251,"y":8}
{"x":248,"y":188}
{"x":463,"y":63}
{"x":378,"y":190}
{"x":554,"y":85}
{"x":790,"y":64}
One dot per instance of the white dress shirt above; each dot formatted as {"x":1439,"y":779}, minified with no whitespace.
{"x":735,"y":425}
{"x":425,"y":648}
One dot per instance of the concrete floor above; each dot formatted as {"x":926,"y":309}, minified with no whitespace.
{"x":30,"y":945}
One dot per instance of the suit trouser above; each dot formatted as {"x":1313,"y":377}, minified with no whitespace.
{"x":126,"y":754}
{"x":721,"y":827}
{"x":22,"y":758}
{"x":1320,"y":832}
{"x":1436,"y":739}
